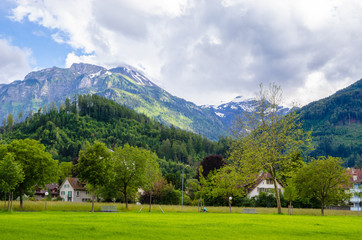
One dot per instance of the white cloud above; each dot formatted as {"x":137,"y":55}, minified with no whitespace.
{"x":317,"y":86}
{"x":14,"y":62}
{"x":208,"y":51}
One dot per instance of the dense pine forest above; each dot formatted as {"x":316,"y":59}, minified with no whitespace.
{"x":64,"y":130}
{"x":336,"y":124}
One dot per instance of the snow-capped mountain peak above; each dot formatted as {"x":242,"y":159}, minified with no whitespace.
{"x":240,"y":99}
{"x":239,"y":106}
{"x":133,"y":73}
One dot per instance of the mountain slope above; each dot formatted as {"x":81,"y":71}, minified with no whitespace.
{"x":336,"y":123}
{"x":125,"y":85}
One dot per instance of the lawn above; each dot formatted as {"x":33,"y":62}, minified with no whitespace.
{"x":175,"y":225}
{"x":85,"y":207}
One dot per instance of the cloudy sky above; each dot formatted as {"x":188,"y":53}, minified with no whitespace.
{"x":205,"y":51}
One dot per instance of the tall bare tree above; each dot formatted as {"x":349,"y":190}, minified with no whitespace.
{"x":266,"y":141}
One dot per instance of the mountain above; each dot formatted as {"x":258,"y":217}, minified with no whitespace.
{"x":336,"y":124}
{"x":238,"y":107}
{"x":124,"y":84}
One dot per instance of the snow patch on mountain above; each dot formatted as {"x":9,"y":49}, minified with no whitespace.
{"x":93,"y":75}
{"x":220,"y":114}
{"x":248,"y":108}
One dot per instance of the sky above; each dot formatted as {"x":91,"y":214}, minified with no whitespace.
{"x":205,"y":51}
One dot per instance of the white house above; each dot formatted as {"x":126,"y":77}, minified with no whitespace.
{"x":72,"y":190}
{"x":264,"y":183}
{"x":356,"y":189}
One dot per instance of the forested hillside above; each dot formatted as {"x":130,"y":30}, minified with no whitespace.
{"x":64,"y":132}
{"x":336,"y":124}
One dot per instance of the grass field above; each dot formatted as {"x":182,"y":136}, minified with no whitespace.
{"x":155,"y":225}
{"x":86,"y":207}
{"x":64,"y":220}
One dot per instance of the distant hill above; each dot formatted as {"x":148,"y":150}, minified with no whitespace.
{"x":64,"y":132}
{"x":125,"y":85}
{"x":336,"y":123}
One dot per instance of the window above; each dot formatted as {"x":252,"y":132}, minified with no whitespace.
{"x":77,"y":193}
{"x":262,"y":190}
{"x":269,"y":181}
{"x":266,"y":190}
{"x":62,"y":193}
{"x":70,"y":196}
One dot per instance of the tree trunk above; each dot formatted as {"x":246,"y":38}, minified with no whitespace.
{"x":125,"y":196}
{"x":229,"y":204}
{"x":21,"y":196}
{"x":322,"y":207}
{"x":4,"y":200}
{"x":277,"y":196}
{"x":11,"y":204}
{"x":93,"y":197}
{"x":9,"y":201}
{"x":290,"y":207}
{"x":149,"y":210}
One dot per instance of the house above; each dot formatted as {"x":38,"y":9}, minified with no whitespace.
{"x":72,"y":190}
{"x":52,"y":189}
{"x":264,"y":183}
{"x":356,"y":189}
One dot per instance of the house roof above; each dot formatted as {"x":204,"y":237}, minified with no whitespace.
{"x":53,"y":187}
{"x":76,"y":184}
{"x":357,"y":173}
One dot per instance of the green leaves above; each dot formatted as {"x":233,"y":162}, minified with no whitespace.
{"x":38,"y":166}
{"x":11,"y":173}
{"x":323,"y":179}
{"x":93,"y":164}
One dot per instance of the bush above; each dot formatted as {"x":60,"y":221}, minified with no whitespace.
{"x":58,"y":198}
{"x":169,"y":195}
{"x":265,"y":200}
{"x":243,"y":202}
{"x":31,"y":199}
{"x":187,"y":199}
{"x":165,"y":194}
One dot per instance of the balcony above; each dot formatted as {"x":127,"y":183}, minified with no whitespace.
{"x":356,"y":190}
{"x":356,"y":208}
{"x":355,"y":200}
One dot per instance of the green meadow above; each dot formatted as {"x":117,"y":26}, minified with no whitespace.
{"x":217,"y":224}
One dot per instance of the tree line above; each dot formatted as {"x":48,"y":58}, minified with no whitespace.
{"x":64,"y":130}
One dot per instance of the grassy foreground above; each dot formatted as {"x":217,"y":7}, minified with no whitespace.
{"x":86,"y":207}
{"x":155,"y":225}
